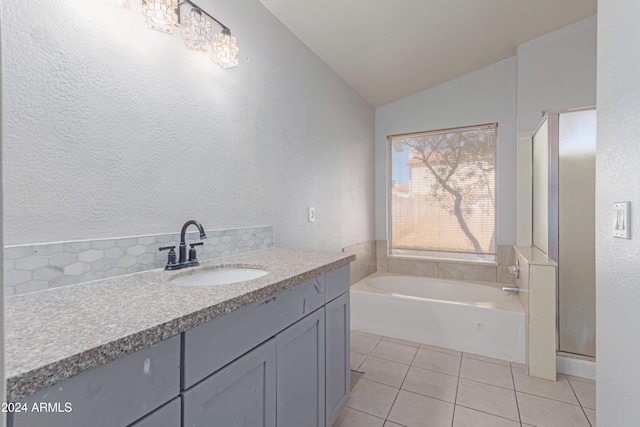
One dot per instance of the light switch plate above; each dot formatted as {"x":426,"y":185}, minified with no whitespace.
{"x":621,"y":220}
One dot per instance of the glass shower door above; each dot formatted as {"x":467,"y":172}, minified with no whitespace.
{"x":576,"y":232}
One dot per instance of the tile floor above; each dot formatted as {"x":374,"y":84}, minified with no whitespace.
{"x":409,"y":384}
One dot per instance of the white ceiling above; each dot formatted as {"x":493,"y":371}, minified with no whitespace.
{"x":389,"y":49}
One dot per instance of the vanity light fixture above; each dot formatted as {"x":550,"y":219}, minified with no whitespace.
{"x":195,"y":28}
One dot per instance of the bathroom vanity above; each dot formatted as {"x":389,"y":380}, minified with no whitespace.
{"x":267,"y":352}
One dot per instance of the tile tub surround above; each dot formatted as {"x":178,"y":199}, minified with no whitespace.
{"x":59,"y":333}
{"x":365,"y":263}
{"x":30,"y":268}
{"x":498,"y":272}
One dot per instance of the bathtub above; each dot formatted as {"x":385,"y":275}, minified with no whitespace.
{"x":474,"y":317}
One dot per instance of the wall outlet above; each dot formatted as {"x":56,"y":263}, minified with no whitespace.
{"x":621,"y":220}
{"x":312,"y":214}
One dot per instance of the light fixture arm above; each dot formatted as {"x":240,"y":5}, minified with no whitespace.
{"x":220,"y":24}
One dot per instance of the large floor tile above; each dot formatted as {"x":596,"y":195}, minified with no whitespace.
{"x":573,"y":378}
{"x":487,"y":359}
{"x":414,"y":410}
{"x":431,"y":383}
{"x":591,"y":415}
{"x":356,"y":360}
{"x":436,"y":361}
{"x":407,"y":384}
{"x":373,"y":398}
{"x":465,"y":417}
{"x":352,"y":418}
{"x":395,"y":352}
{"x":586,"y":393}
{"x":556,"y":390}
{"x":486,"y":372}
{"x":403,"y":342}
{"x":363,"y":344}
{"x":543,"y":412}
{"x":441,"y":349}
{"x":366,"y":334}
{"x":384,"y":371}
{"x":487,"y":398}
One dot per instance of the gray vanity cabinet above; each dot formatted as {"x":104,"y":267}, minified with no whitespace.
{"x":242,"y":393}
{"x":282,"y":361}
{"x":301,"y":373}
{"x":338,"y":373}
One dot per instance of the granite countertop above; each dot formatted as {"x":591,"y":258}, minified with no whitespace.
{"x":58,"y":333}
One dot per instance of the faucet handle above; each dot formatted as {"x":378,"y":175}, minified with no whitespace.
{"x":192,"y":251}
{"x":171,"y":258}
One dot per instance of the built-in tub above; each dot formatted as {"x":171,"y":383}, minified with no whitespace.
{"x":474,"y":317}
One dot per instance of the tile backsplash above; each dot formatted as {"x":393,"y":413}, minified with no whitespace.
{"x":35,"y":267}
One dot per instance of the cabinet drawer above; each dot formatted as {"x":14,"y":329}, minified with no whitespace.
{"x":336,"y":283}
{"x":209,"y":347}
{"x":115,"y":394}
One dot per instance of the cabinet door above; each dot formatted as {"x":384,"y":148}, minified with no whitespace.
{"x":338,"y":381}
{"x":300,"y":373}
{"x":241,"y":394}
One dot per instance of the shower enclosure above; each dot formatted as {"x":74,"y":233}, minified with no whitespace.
{"x":564,"y":219}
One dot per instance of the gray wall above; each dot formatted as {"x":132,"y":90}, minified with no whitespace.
{"x":617,"y":266}
{"x":483,"y":96}
{"x":557,"y":71}
{"x":111,"y":129}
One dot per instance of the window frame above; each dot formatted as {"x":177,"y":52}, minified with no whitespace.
{"x":448,"y":256}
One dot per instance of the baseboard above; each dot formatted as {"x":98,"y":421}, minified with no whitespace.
{"x":577,"y":367}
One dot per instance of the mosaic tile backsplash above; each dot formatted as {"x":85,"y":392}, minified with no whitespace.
{"x":30,"y":268}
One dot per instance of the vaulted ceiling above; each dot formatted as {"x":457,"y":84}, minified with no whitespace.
{"x":389,"y":49}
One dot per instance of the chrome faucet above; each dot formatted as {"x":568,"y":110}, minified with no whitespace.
{"x":183,"y":262}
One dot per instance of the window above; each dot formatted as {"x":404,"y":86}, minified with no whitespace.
{"x":442,"y":196}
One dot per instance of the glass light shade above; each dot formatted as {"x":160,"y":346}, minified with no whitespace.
{"x":160,"y":15}
{"x":224,"y":51}
{"x":196,"y":31}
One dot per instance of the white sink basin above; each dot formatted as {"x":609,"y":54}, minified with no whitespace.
{"x":219,"y":276}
